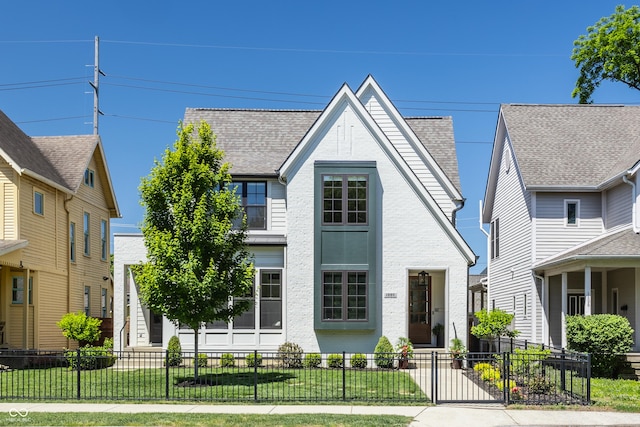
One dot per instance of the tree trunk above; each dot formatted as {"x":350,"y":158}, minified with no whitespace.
{"x":195,"y":356}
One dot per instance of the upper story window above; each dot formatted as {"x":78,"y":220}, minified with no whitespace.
{"x":89,"y":177}
{"x":344,"y":199}
{"x":103,"y":240}
{"x":38,"y":203}
{"x":254,"y":202}
{"x":572,"y":212}
{"x":85,"y":230}
{"x":72,"y":242}
{"x":495,"y":238}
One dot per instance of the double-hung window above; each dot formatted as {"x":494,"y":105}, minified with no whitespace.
{"x":38,"y":203}
{"x":572,"y":212}
{"x":87,"y":300}
{"x":271,"y":299}
{"x":85,"y":230}
{"x":246,"y":320}
{"x":344,"y":199}
{"x":344,"y":296}
{"x":103,"y":240}
{"x":495,"y":238}
{"x":89,"y":178}
{"x":72,"y":241}
{"x":254,"y":202}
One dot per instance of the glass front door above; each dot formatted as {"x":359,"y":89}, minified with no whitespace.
{"x":419,"y":311}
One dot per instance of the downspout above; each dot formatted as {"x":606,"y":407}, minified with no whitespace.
{"x":459,"y":203}
{"x":66,"y":209}
{"x":486,"y":233}
{"x":634,"y":215}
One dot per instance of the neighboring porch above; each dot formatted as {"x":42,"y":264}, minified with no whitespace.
{"x":589,"y":289}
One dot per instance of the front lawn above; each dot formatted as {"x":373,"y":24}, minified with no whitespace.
{"x":215,"y":384}
{"x":619,"y":395}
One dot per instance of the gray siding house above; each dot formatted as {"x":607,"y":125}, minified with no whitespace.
{"x":562,"y":203}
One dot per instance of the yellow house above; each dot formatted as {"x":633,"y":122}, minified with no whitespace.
{"x":54,"y":234}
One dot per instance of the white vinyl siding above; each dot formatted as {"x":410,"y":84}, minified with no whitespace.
{"x":278,"y":197}
{"x":417,"y":165}
{"x":618,"y":208}
{"x":552,"y":234}
{"x":511,"y":271}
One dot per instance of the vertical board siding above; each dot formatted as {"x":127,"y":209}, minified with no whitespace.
{"x":619,"y":206}
{"x":511,"y":270}
{"x":552,"y":235}
{"x":401,"y":144}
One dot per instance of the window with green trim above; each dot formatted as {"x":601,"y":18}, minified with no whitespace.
{"x":344,"y":199}
{"x":344,"y":295}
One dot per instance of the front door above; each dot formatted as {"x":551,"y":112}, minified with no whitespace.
{"x":419,"y":311}
{"x":155,"y":328}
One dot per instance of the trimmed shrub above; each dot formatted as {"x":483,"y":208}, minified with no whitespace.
{"x":383,"y":354}
{"x":312,"y":360}
{"x":290,"y":354}
{"x":528,"y":362}
{"x":227,"y":360}
{"x":91,"y":357}
{"x":335,"y":361}
{"x":605,"y":336}
{"x":490,"y":374}
{"x":80,"y":327}
{"x":359,"y":361}
{"x":253,"y":360}
{"x":174,"y":352}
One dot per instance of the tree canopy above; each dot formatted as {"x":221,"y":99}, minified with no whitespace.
{"x":197,"y":259}
{"x":609,"y":51}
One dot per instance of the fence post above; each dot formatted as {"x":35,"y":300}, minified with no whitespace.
{"x":434,"y":377}
{"x":78,"y":368}
{"x":255,"y":375}
{"x":588,"y":378}
{"x":344,"y":377}
{"x":166,"y":381}
{"x":563,"y":371}
{"x":507,"y":374}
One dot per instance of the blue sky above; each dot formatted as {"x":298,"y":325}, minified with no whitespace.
{"x":459,"y":59}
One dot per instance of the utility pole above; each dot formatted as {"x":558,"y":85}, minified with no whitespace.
{"x":95,"y":84}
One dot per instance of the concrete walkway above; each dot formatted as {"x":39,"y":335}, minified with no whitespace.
{"x":442,"y":415}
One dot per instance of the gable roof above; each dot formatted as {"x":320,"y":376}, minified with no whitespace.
{"x":572,"y":145}
{"x":560,"y":147}
{"x":59,"y":161}
{"x":257,"y":142}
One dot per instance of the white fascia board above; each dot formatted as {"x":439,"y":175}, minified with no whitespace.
{"x":409,"y":134}
{"x":494,"y":168}
{"x":346,"y":95}
{"x":109,"y":182}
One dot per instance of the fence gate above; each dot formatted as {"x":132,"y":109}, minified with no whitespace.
{"x":454,"y":380}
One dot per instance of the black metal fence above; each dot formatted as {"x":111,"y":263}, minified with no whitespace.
{"x":521,"y":373}
{"x":252,"y":376}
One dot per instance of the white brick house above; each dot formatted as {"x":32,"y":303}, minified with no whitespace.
{"x":563,"y":206}
{"x":346,"y":207}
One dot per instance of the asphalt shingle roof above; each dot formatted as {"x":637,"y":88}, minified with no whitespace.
{"x":573,"y":145}
{"x":60,"y":159}
{"x":257,"y":142}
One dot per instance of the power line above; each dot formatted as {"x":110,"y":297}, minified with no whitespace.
{"x":54,"y":119}
{"x":42,"y":81}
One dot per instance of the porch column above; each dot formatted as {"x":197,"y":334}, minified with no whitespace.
{"x":545,"y":314}
{"x":587,"y":291}
{"x":563,"y":314}
{"x":605,"y":292}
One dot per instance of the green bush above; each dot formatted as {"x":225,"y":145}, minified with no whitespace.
{"x":493,"y":324}
{"x":91,"y":357}
{"x":538,"y":384}
{"x":335,"y":361}
{"x":290,"y":355}
{"x":312,"y":360}
{"x":174,"y":352}
{"x":359,"y":361}
{"x":253,"y":360}
{"x":227,"y":360}
{"x":80,"y":327}
{"x":383,"y":354}
{"x":482,"y":366}
{"x":605,"y":336}
{"x":528,"y":362}
{"x":490,"y":374}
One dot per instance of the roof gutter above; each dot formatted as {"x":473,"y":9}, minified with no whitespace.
{"x":634,"y":207}
{"x":541,"y":266}
{"x":33,"y":174}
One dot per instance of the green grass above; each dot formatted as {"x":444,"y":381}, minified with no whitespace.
{"x":193,"y":419}
{"x":617,"y":395}
{"x":217,"y":384}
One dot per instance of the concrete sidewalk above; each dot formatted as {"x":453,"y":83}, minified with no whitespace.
{"x":441,"y":415}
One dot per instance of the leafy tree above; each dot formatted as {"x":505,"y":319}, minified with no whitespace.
{"x":80,"y":327}
{"x":493,"y":325}
{"x":609,"y":51}
{"x":197,"y":259}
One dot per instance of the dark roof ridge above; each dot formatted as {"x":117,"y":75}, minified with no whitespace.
{"x":262,"y":110}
